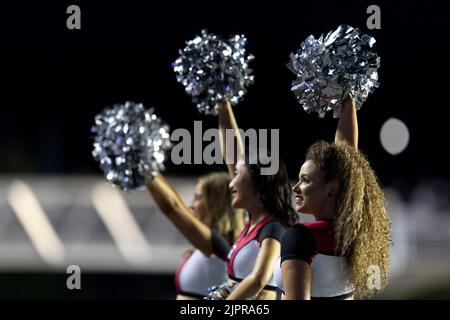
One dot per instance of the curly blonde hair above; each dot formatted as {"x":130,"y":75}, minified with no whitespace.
{"x":226,"y":220}
{"x":361,"y":223}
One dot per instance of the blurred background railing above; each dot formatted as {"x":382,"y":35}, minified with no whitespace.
{"x":50,"y":222}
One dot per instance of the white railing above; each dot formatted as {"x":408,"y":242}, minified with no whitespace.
{"x":131,"y":234}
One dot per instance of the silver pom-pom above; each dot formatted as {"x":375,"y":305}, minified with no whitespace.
{"x":330,"y":68}
{"x":129,"y":143}
{"x":214,"y":70}
{"x":220,"y":292}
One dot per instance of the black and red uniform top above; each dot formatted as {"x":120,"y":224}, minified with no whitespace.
{"x":198,"y":272}
{"x":243,"y":254}
{"x":314,"y":243}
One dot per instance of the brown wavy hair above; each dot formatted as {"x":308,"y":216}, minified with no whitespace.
{"x":361,"y":223}
{"x":274,"y":191}
{"x":226,"y":220}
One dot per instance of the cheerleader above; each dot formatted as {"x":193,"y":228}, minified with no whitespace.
{"x":267,"y":200}
{"x":210,"y":224}
{"x":333,"y":256}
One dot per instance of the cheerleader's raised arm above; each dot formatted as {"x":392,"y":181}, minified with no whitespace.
{"x":347,"y":129}
{"x":175,"y":208}
{"x":227,"y":121}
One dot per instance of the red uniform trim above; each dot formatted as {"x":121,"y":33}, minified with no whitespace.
{"x":244,"y":239}
{"x":177,"y":273}
{"x":322,"y":231}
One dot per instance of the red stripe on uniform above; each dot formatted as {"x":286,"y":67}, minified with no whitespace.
{"x":177,"y":273}
{"x":245,"y":239}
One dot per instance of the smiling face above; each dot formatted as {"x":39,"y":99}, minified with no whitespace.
{"x":312,"y":193}
{"x":243,"y":194}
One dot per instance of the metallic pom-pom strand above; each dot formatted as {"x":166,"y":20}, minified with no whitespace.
{"x":130,"y":142}
{"x":213,"y":70}
{"x":220,"y":292}
{"x":330,"y":68}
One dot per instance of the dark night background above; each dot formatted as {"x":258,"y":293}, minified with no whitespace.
{"x":55,"y":80}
